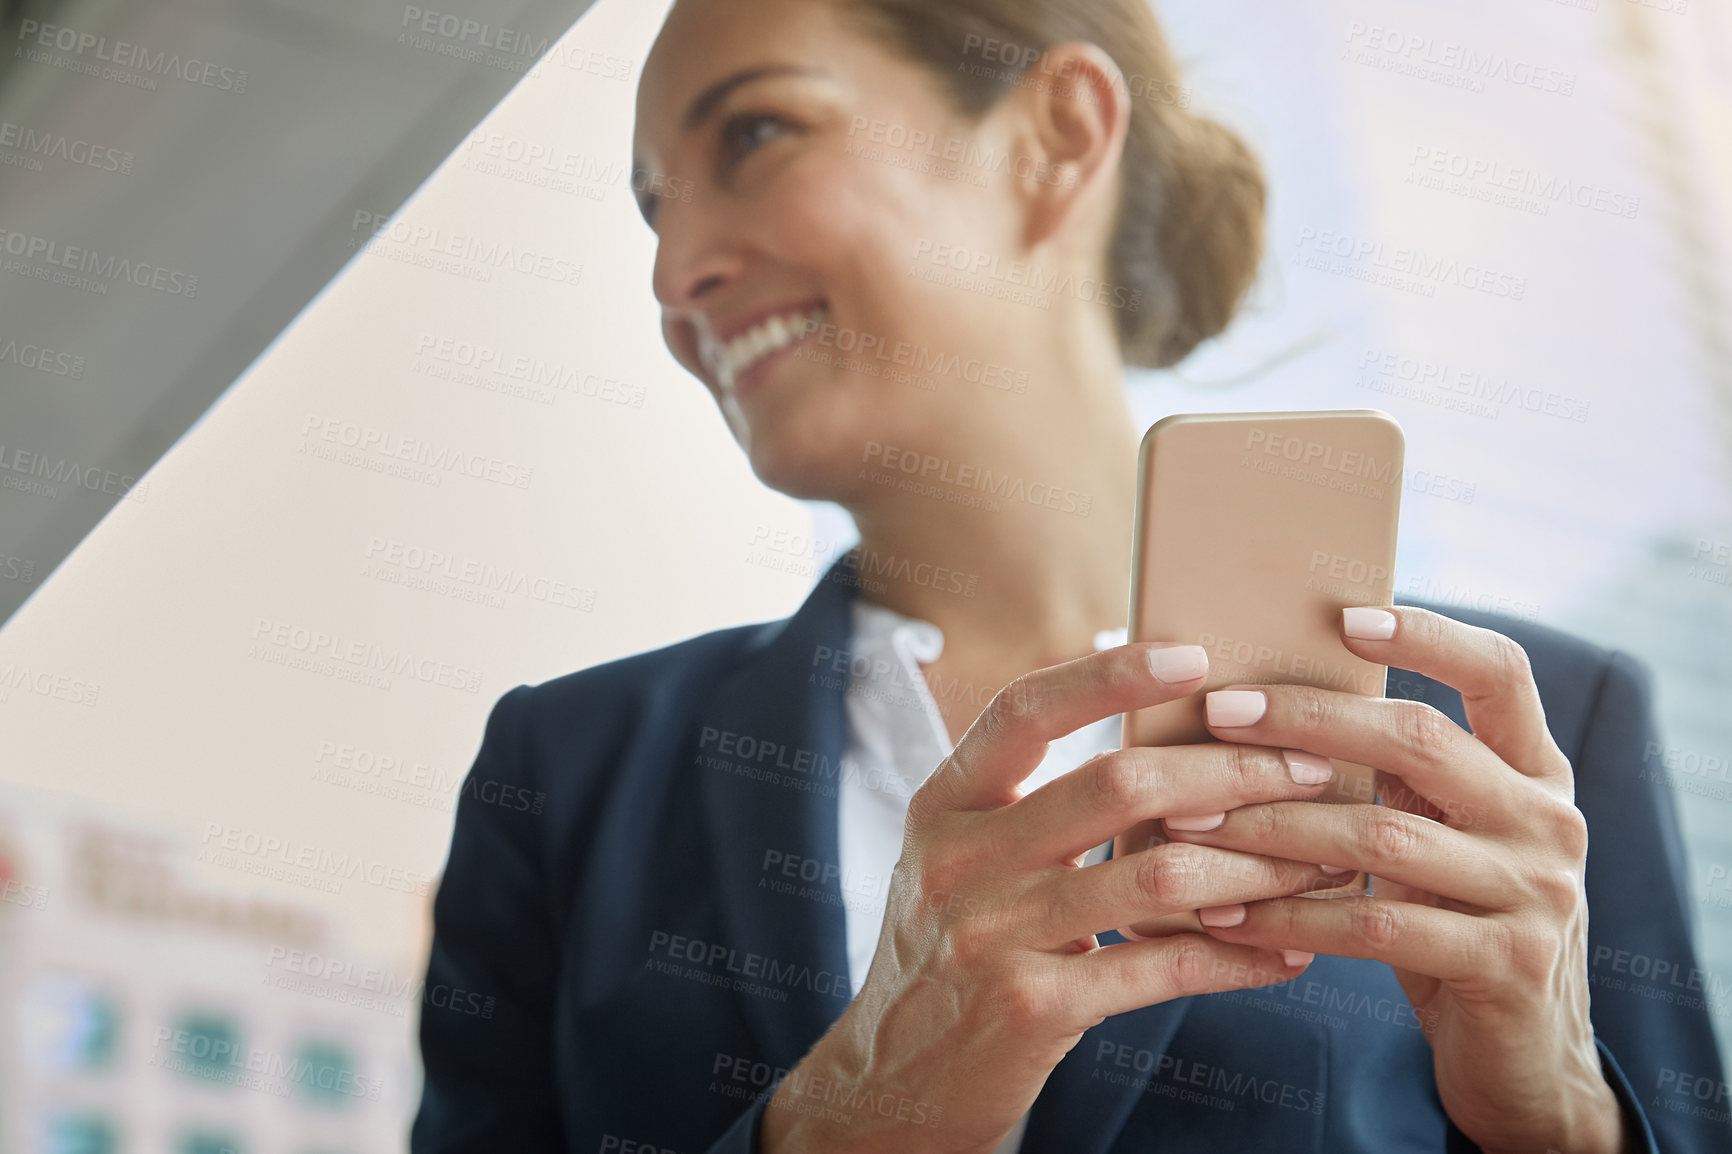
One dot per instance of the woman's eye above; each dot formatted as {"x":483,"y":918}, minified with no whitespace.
{"x":745,"y":133}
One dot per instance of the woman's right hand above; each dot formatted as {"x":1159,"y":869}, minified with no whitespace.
{"x":987,"y":970}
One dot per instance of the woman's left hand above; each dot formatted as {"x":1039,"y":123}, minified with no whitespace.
{"x":1478,"y":853}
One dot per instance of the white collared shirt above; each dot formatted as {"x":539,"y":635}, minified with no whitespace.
{"x":896,"y":738}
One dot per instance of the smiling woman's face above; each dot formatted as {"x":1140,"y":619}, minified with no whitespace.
{"x":785,"y":205}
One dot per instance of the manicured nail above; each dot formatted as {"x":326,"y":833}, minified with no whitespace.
{"x":1299,"y":958}
{"x":1222,"y":916}
{"x":1197,"y":823}
{"x":1336,"y":871}
{"x":1368,"y":624}
{"x":1177,"y":663}
{"x":1229,"y":707}
{"x":1308,"y":768}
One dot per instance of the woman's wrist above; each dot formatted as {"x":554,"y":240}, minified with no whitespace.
{"x":1593,"y":1122}
{"x":828,"y":1103}
{"x":1603,"y":1127}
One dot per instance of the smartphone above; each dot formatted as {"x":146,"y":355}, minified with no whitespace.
{"x":1253,"y":531}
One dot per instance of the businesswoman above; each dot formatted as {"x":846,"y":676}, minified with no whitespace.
{"x":827,"y":885}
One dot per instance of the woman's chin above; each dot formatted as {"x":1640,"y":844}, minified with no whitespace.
{"x":795,"y":470}
{"x":808,"y":460}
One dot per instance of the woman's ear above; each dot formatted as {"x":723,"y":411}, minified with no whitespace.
{"x":1076,"y":113}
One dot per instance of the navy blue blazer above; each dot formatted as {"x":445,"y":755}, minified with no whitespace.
{"x":620,"y":964}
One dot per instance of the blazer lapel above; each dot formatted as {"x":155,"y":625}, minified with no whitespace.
{"x":768,"y":770}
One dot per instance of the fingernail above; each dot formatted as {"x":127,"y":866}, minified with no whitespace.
{"x":1368,"y":624}
{"x":1221,"y":915}
{"x":1177,"y":663}
{"x":1308,"y":768}
{"x":1197,"y":823}
{"x":1336,"y":871}
{"x":1299,"y":958}
{"x":1229,"y":707}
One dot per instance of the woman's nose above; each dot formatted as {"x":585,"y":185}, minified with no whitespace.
{"x":694,"y":258}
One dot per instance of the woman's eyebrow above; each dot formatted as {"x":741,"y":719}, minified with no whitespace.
{"x":706,"y":104}
{"x":707,"y":100}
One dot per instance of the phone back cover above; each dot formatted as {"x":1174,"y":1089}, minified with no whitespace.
{"x":1255,"y":560}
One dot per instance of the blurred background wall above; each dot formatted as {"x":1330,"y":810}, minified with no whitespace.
{"x":353,"y":413}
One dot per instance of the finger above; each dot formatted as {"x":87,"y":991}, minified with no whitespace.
{"x":1128,"y":975}
{"x":1009,"y":738}
{"x":1105,"y":795}
{"x":1443,"y":944}
{"x":1498,"y":694}
{"x":1375,"y":839}
{"x":1437,"y":758}
{"x":1172,"y":878}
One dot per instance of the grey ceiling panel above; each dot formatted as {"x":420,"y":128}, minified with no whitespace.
{"x":177,"y":181}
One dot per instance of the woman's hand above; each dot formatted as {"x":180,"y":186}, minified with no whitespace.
{"x":1478,"y":854}
{"x":987,"y":970}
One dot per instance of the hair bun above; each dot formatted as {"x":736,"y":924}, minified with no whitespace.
{"x":1189,"y":234}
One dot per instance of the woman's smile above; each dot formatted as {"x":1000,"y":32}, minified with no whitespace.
{"x":737,"y":355}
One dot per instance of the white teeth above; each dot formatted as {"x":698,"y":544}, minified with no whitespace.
{"x":731,"y":360}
